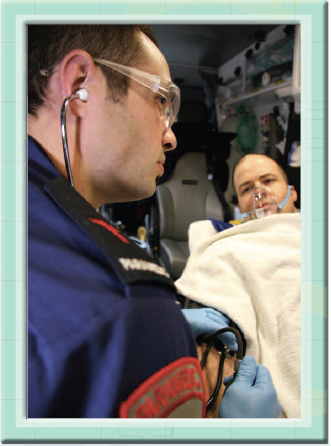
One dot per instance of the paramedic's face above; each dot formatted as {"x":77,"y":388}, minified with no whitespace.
{"x":132,"y":139}
{"x":256,"y":171}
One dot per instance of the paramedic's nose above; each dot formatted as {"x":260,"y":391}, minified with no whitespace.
{"x":169,"y":141}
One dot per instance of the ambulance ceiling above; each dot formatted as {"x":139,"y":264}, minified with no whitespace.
{"x":188,"y":47}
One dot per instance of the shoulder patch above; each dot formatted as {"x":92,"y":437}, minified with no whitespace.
{"x":176,"y":391}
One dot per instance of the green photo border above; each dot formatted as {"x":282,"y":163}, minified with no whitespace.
{"x":312,"y":427}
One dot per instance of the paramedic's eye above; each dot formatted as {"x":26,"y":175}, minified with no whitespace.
{"x":163,"y":102}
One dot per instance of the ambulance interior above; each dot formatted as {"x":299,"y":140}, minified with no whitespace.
{"x":240,"y":93}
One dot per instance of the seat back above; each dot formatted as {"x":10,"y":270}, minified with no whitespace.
{"x":187,"y":197}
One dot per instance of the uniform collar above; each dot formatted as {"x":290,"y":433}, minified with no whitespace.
{"x":37,"y":154}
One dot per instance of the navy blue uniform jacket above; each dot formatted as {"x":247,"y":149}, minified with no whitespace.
{"x":92,"y":339}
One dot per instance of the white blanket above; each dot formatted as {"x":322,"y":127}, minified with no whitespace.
{"x":251,"y":273}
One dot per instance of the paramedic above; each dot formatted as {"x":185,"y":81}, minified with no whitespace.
{"x":103,"y":325}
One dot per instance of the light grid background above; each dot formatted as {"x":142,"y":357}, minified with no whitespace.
{"x":312,"y":427}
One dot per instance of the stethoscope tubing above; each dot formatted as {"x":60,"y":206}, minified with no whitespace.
{"x":64,"y":138}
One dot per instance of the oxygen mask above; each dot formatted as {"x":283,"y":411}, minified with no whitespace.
{"x":264,"y":202}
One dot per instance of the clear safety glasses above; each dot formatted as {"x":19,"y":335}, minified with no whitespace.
{"x":166,"y":89}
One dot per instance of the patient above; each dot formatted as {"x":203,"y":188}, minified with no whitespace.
{"x":255,"y":171}
{"x":251,"y":273}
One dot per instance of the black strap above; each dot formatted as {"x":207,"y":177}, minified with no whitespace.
{"x":227,"y":215}
{"x":131,"y":263}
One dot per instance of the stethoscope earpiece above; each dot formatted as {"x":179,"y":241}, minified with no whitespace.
{"x":82,"y":94}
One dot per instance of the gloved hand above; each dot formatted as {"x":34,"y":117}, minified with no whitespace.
{"x":251,"y":395}
{"x":207,"y":321}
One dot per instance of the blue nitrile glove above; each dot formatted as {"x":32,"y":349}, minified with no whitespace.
{"x":205,"y":321}
{"x":252,"y":394}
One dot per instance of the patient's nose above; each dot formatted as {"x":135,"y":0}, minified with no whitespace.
{"x":259,"y":189}
{"x":259,"y":193}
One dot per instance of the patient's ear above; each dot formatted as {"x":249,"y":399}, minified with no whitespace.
{"x":294,"y":194}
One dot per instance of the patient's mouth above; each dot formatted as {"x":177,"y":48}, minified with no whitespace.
{"x":265,"y":205}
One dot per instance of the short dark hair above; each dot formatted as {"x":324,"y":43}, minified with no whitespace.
{"x":282,"y":171}
{"x":48,"y":44}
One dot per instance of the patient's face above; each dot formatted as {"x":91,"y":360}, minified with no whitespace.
{"x":260,"y":171}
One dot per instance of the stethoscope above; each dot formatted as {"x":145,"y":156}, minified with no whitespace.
{"x":212,"y":340}
{"x":81,"y":94}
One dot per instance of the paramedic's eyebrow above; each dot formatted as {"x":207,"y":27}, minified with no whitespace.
{"x":262,"y":177}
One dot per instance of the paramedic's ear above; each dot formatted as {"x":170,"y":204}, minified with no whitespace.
{"x":77,"y":72}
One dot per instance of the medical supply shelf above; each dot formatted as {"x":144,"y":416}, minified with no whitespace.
{"x":278,"y":89}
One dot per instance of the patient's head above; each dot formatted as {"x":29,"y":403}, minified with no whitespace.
{"x":256,"y":171}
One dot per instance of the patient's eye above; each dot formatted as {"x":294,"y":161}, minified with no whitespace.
{"x":246,"y":189}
